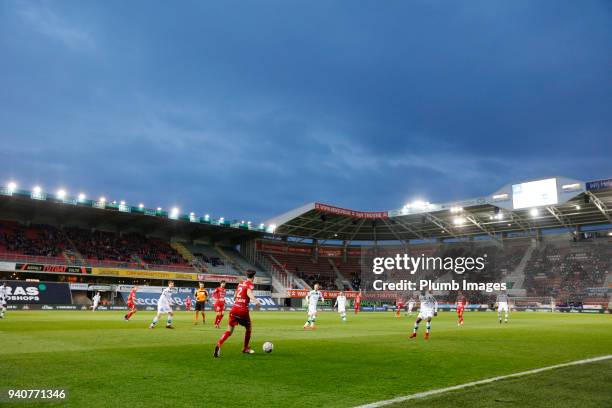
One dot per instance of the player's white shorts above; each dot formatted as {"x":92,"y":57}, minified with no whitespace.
{"x":426,"y":313}
{"x":342,"y":309}
{"x":312,"y":310}
{"x":95,"y":305}
{"x":502,"y":307}
{"x":163,"y":308}
{"x":2,"y":303}
{"x":410,"y":306}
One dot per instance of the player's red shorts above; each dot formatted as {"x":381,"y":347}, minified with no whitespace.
{"x":131,"y":305}
{"x":400,"y":305}
{"x":219,"y":306}
{"x":239,"y":316}
{"x":460,"y":309}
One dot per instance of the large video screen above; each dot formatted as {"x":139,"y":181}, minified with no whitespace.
{"x":534,"y":193}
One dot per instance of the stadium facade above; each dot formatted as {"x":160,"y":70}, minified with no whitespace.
{"x":548,"y":237}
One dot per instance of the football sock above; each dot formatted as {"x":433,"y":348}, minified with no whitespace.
{"x":155,"y":319}
{"x":224,"y":337}
{"x":169,"y":320}
{"x":247,"y":338}
{"x":428,"y":327}
{"x":416,"y":327}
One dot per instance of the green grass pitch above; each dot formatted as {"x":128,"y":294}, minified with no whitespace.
{"x":104,"y":361}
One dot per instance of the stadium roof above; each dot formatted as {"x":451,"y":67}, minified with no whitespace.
{"x":524,"y":207}
{"x":39,"y":207}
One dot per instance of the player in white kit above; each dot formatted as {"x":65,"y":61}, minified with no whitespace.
{"x":3,"y":296}
{"x":411,"y":303}
{"x":429,"y":309}
{"x":96,"y":301}
{"x":502,"y":306}
{"x":341,"y":305}
{"x":164,"y":305}
{"x":313,"y":297}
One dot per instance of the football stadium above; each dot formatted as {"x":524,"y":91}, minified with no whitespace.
{"x":549,"y":241}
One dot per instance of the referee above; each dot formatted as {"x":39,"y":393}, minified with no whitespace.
{"x":201,"y":294}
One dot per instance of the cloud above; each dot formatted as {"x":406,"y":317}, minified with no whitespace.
{"x":254,"y":112}
{"x":42,"y":18}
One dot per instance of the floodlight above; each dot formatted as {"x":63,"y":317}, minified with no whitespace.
{"x":61,"y":194}
{"x":37,"y":190}
{"x":122,"y":202}
{"x":141,"y":205}
{"x":102,"y":199}
{"x":82,"y":197}
{"x":577,"y":207}
{"x":12,"y":186}
{"x":534,"y":212}
{"x":458,"y":220}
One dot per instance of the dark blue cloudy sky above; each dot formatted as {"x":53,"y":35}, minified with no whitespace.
{"x":248,"y":109}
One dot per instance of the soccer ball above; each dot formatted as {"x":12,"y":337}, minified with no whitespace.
{"x":268,"y":347}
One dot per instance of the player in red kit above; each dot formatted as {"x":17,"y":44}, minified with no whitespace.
{"x":219,"y":296}
{"x":357,"y":302}
{"x":131,"y":304}
{"x":188,"y":304}
{"x":399,"y":304}
{"x":461,"y":303}
{"x":239,"y":314}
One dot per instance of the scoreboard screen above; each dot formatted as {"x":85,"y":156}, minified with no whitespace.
{"x":534,"y":194}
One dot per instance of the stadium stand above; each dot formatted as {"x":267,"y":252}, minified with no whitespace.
{"x":566,"y":270}
{"x":95,"y":248}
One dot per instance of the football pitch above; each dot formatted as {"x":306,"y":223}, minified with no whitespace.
{"x":102,"y":360}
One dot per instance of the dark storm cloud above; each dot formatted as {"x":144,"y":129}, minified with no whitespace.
{"x":250,"y":109}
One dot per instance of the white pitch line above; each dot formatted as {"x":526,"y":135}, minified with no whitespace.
{"x":479,"y":382}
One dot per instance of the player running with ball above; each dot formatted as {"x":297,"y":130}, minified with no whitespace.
{"x":164,"y":305}
{"x":239,"y":314}
{"x":313,"y":297}
{"x":219,"y":297}
{"x":429,"y":309}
